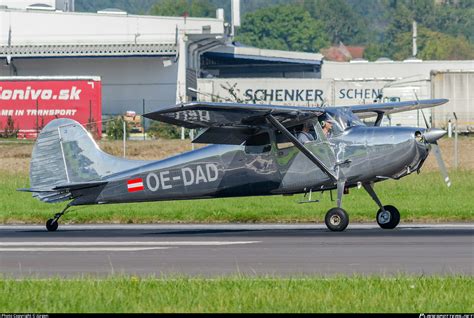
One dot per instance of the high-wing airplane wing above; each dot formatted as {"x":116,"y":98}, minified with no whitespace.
{"x":370,"y":110}
{"x":202,"y":115}
{"x":206,"y":114}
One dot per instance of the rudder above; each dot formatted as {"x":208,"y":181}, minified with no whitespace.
{"x":65,"y":153}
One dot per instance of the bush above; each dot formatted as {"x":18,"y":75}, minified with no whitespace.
{"x":10,"y":131}
{"x":163,"y":130}
{"x":114,"y":129}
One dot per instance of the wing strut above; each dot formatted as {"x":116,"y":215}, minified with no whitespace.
{"x":301,"y":147}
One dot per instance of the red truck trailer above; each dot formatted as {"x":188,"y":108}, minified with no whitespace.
{"x":27,"y":104}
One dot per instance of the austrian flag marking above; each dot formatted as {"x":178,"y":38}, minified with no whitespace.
{"x":135,"y":185}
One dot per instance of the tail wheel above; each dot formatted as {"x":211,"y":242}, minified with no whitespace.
{"x":336,"y":219}
{"x":52,"y":225}
{"x":389,"y":218}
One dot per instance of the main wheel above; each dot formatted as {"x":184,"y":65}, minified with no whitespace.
{"x":336,"y":219}
{"x":389,"y":218}
{"x":52,"y":225}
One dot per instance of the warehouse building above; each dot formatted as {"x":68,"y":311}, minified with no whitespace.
{"x":147,"y":62}
{"x":137,"y":57}
{"x":359,"y":82}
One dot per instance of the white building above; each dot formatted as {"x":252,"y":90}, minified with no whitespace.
{"x":407,"y":80}
{"x":137,"y":57}
{"x":342,"y":84}
{"x":48,"y":5}
{"x":388,"y":69}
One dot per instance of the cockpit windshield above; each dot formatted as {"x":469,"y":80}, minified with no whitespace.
{"x":345,"y":118}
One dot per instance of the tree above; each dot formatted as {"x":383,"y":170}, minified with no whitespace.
{"x":195,"y":8}
{"x":455,"y":20}
{"x":283,"y":27}
{"x":423,"y":11}
{"x":163,"y":130}
{"x":10,"y":130}
{"x":401,"y":22}
{"x":340,"y":21}
{"x":433,"y":46}
{"x":373,"y":51}
{"x":114,"y":129}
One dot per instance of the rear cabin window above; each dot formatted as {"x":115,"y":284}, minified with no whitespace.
{"x":258,"y":143}
{"x":282,"y":142}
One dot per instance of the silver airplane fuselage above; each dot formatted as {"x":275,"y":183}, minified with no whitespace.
{"x":363,"y":153}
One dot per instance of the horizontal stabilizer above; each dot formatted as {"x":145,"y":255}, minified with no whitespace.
{"x":63,"y":192}
{"x":34,"y":190}
{"x":53,"y":197}
{"x":79,"y":186}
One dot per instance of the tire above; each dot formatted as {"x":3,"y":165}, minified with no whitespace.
{"x":336,"y":219}
{"x":52,"y":225}
{"x":394,"y":217}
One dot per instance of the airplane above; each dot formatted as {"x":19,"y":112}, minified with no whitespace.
{"x":254,"y":151}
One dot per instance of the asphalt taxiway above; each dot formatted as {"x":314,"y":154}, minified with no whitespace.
{"x":228,"y":249}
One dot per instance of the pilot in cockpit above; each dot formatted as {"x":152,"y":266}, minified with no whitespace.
{"x":327,"y":127}
{"x":305,"y":135}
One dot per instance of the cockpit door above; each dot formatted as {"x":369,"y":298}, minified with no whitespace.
{"x":321,"y":147}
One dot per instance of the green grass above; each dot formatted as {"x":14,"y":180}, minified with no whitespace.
{"x":419,"y":198}
{"x":239,"y":294}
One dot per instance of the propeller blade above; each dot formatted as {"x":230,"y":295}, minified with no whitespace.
{"x":442,"y":166}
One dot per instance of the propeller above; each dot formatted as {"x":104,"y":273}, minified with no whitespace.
{"x":431,"y":136}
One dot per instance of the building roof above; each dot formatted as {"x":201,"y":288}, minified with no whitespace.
{"x":343,"y":53}
{"x":67,"y":34}
{"x":88,"y":50}
{"x":252,"y":53}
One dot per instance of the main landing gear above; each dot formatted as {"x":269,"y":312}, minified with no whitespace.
{"x":52,"y":224}
{"x":337,"y":219}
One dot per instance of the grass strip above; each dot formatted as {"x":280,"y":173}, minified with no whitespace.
{"x":420,"y":198}
{"x":240,"y":294}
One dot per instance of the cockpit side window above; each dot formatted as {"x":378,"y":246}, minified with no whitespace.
{"x":330,"y":126}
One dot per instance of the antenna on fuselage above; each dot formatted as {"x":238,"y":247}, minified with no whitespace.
{"x":416,"y":97}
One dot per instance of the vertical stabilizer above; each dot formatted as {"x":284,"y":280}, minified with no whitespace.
{"x":65,"y":153}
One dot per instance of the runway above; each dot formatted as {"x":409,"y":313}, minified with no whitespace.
{"x":230,"y":249}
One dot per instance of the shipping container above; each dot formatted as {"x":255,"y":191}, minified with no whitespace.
{"x":458,"y":87}
{"x":406,"y":89}
{"x":27,"y":104}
